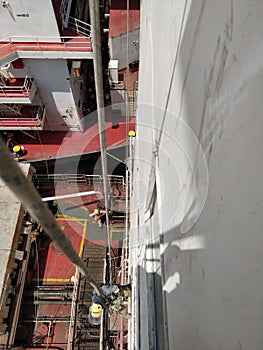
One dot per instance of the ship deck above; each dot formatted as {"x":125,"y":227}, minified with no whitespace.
{"x":44,"y":321}
{"x":48,"y":144}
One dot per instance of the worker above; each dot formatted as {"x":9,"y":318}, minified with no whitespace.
{"x":95,"y":312}
{"x":19,"y":151}
{"x":117,"y":297}
{"x":99,"y":216}
{"x":109,"y":291}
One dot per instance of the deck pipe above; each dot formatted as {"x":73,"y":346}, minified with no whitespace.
{"x":27,"y":194}
{"x":51,"y":302}
{"x":53,"y":294}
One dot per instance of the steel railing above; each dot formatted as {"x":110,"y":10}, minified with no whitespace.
{"x":90,"y":180}
{"x":79,"y":26}
{"x":16,"y":89}
{"x":22,"y":121}
{"x":45,"y":43}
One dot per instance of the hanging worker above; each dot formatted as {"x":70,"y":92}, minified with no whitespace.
{"x":95,"y":312}
{"x":117,"y":297}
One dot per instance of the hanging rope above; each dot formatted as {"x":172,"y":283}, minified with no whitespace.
{"x":97,"y":61}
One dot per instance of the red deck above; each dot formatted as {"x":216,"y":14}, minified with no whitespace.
{"x":55,"y":267}
{"x":47,"y":144}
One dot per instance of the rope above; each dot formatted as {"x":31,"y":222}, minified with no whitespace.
{"x":97,"y":61}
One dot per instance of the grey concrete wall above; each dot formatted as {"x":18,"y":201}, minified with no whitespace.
{"x":200,"y":83}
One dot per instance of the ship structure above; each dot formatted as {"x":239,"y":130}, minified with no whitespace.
{"x":175,"y":243}
{"x":49,"y":123}
{"x":196,"y":210}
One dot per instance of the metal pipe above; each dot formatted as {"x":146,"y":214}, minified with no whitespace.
{"x":71,"y":195}
{"x":53,"y":298}
{"x":97,"y":61}
{"x":52,"y":302}
{"x":54,"y":294}
{"x":55,"y":287}
{"x":25,"y":192}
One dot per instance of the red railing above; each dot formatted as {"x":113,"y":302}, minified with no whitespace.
{"x":41,"y":43}
{"x":9,"y":90}
{"x":35,"y":121}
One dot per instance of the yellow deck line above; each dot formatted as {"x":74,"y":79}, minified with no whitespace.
{"x":117,"y":230}
{"x":80,"y":253}
{"x":71,"y":218}
{"x":52,"y":279}
{"x":83,"y":238}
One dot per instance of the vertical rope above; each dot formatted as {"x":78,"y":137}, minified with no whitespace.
{"x":97,"y":61}
{"x":127,"y":128}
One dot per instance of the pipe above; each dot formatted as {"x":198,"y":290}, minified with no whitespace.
{"x":71,"y":195}
{"x":27,"y":194}
{"x":55,"y":287}
{"x":55,"y":302}
{"x":53,"y":294}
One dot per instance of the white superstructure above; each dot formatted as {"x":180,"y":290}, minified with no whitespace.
{"x":42,"y":48}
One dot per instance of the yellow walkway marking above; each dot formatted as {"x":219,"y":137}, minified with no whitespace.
{"x":84,"y":223}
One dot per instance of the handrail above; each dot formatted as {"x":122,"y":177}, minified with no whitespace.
{"x":91,"y":181}
{"x":45,"y":43}
{"x":25,"y":88}
{"x":88,"y":179}
{"x":39,"y":115}
{"x":79,"y":26}
{"x":18,"y":122}
{"x":37,"y":38}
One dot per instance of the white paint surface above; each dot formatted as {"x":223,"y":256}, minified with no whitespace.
{"x":209,"y":75}
{"x":41,"y":19}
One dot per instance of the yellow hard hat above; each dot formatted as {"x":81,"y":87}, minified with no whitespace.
{"x":96,"y":211}
{"x":16,"y":148}
{"x":95,"y":310}
{"x":131,"y":133}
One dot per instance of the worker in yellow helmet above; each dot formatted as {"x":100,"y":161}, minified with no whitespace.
{"x":19,"y":151}
{"x":95,"y":312}
{"x":98,"y":215}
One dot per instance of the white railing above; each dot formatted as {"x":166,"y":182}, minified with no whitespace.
{"x":45,"y":43}
{"x":79,"y":27}
{"x":7,"y":90}
{"x":90,"y":180}
{"x":72,"y":23}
